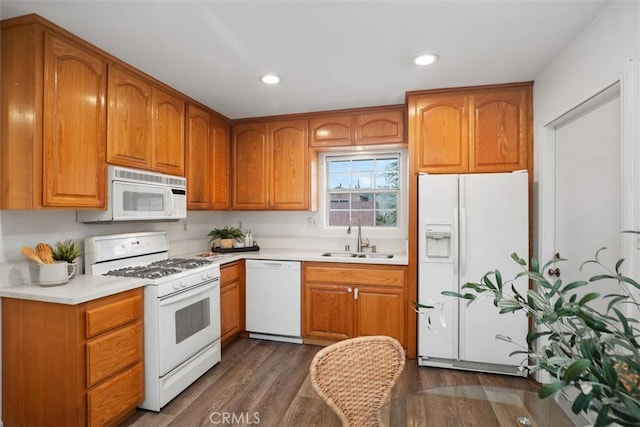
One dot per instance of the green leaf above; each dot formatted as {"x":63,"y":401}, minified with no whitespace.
{"x":575,"y":370}
{"x":588,"y":298}
{"x":573,"y":285}
{"x":551,"y":389}
{"x":581,"y":403}
{"x":618,"y":265}
{"x":516,"y":258}
{"x":601,"y":277}
{"x":630,"y":281}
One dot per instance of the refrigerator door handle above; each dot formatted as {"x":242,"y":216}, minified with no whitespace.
{"x":456,"y":244}
{"x":463,"y":240}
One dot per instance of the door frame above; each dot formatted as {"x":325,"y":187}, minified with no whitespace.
{"x":623,"y":84}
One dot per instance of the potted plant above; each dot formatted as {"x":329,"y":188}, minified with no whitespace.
{"x":226,"y":236}
{"x":596,"y":352}
{"x":66,"y":250}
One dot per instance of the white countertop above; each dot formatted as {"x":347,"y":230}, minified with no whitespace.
{"x":308,"y":255}
{"x":81,"y":288}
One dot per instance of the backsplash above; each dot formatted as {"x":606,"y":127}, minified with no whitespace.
{"x":285,"y":230}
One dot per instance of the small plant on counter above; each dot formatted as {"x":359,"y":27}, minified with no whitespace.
{"x":226,"y":233}
{"x":67,"y":250}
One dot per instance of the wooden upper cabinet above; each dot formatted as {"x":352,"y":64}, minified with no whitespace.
{"x":365,"y":127}
{"x":207,"y":160}
{"x":198,"y":158}
{"x":271,"y":165}
{"x":501,"y":132}
{"x":441,"y":132}
{"x":128,"y":119}
{"x":385,"y":127}
{"x":167,"y":132}
{"x":221,"y":161}
{"x":289,"y":163}
{"x":250,"y":166}
{"x":329,"y":131}
{"x":479,"y":129}
{"x":73,"y":132}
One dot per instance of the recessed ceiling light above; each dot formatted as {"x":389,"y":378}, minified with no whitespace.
{"x":425,"y":59}
{"x":270,"y":79}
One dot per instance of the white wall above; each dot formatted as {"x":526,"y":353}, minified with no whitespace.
{"x":605,"y":51}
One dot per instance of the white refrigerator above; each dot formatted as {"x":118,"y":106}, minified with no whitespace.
{"x":468,"y":225}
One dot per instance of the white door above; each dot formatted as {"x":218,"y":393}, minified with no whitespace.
{"x":438,"y":264}
{"x":494,"y":223}
{"x":588,"y":192}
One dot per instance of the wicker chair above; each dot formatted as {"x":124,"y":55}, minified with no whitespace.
{"x":355,"y":376}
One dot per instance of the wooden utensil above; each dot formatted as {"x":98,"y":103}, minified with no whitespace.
{"x":31,"y":254}
{"x":44,"y":252}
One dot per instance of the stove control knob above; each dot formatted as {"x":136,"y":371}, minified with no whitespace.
{"x":203,"y":276}
{"x":182,"y":285}
{"x":210,"y":274}
{"x":176,"y":286}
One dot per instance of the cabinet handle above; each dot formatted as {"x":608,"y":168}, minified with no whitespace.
{"x":355,"y":294}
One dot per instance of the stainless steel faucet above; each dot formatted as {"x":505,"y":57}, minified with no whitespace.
{"x":359,"y":244}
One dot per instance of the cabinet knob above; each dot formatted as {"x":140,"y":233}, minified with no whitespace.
{"x":349,"y":290}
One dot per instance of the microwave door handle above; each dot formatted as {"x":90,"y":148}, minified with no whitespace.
{"x":170,"y":202}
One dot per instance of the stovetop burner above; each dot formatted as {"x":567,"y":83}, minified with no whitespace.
{"x":182,"y":263}
{"x":144,"y":271}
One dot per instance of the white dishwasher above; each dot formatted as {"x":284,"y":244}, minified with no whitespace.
{"x":273,"y":300}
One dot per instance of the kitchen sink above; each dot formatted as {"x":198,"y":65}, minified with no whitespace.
{"x":375,"y":255}
{"x":340,"y":254}
{"x":356,"y":255}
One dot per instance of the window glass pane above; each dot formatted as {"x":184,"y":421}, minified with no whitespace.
{"x":386,"y":218}
{"x":338,"y":218}
{"x":339,"y":201}
{"x":387,"y":180}
{"x":339,"y":181}
{"x":386,"y":201}
{"x":362,"y":201}
{"x":339,"y":166}
{"x":362,"y":166}
{"x":362,"y":180}
{"x":366,"y":217}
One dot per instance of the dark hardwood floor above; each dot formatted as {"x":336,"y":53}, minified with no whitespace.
{"x":266,"y":383}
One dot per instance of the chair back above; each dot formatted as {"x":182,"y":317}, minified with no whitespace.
{"x":355,"y":376}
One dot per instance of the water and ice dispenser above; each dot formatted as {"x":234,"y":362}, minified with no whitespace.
{"x":438,"y":242}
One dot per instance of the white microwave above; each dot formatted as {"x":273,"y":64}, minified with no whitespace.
{"x":136,"y":195}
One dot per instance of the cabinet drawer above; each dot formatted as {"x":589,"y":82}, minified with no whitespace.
{"x":231,"y":272}
{"x":347,"y":275}
{"x":112,"y":314}
{"x":109,"y":354}
{"x":110,"y":401}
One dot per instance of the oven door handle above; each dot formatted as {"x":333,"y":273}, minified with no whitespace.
{"x":187,"y":294}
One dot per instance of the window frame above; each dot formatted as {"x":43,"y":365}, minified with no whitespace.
{"x":397,"y":231}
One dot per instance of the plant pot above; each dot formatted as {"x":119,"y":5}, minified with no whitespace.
{"x":226,"y":243}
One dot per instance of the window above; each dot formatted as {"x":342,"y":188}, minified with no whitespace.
{"x":366,"y":187}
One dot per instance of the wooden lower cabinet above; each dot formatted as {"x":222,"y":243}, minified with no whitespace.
{"x":343,"y":301}
{"x":231,"y":300}
{"x":72,"y":365}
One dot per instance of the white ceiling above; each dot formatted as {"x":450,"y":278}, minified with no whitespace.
{"x":331,"y":54}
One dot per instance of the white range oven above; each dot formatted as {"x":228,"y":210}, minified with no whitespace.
{"x":181,"y":308}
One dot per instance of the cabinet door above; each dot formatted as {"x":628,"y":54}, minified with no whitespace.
{"x":75,"y":84}
{"x":385,"y":127}
{"x":380,"y":311}
{"x":198,"y":158}
{"x":221,"y":159}
{"x":500,"y":130}
{"x":231,"y":300}
{"x":328,"y":311}
{"x":329,"y":131}
{"x":289,"y":164}
{"x":251,"y":166}
{"x":441,"y":133}
{"x":111,"y":401}
{"x":167,"y":133}
{"x":128,"y":119}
